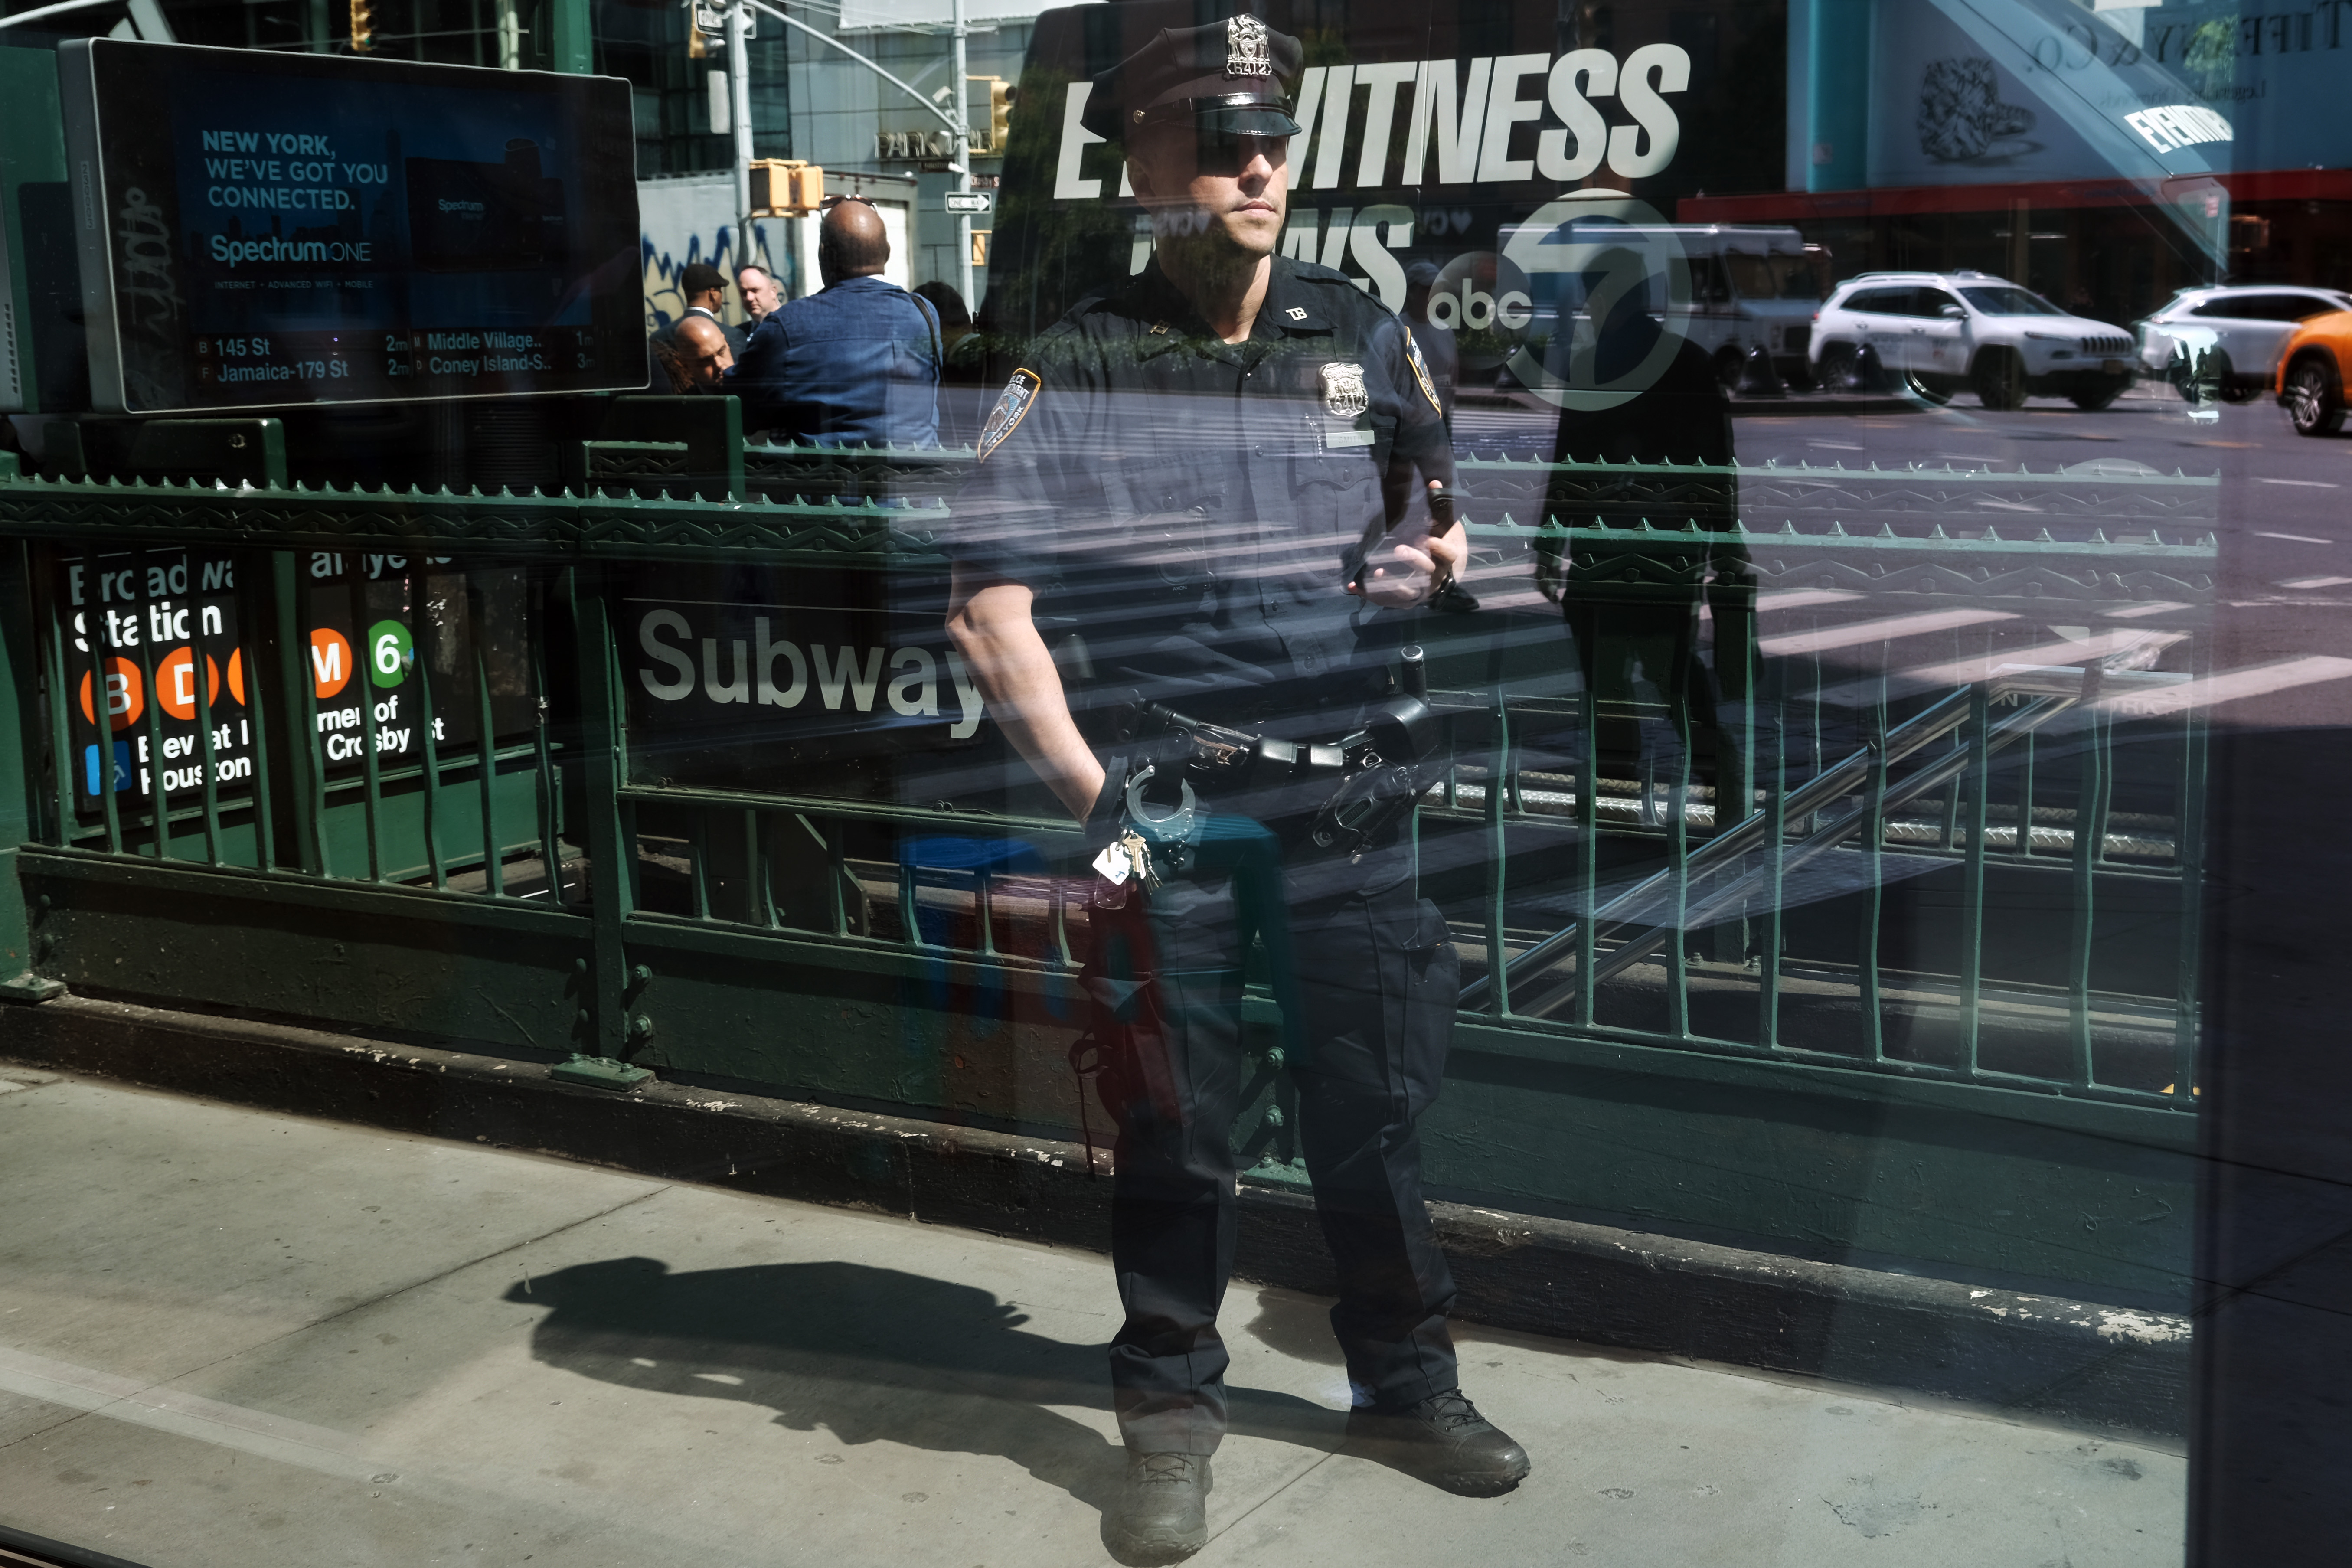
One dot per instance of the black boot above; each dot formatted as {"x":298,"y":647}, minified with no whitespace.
{"x":1163,"y":1511}
{"x":1445,"y":1441}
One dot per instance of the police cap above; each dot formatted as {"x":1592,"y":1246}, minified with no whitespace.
{"x":1226,"y":75}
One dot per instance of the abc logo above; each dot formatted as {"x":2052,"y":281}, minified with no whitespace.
{"x":1462,"y":300}
{"x":1482,"y":301}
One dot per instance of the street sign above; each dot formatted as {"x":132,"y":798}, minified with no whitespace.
{"x":974,"y":202}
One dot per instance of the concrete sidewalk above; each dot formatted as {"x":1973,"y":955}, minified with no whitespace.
{"x":227,"y":1336}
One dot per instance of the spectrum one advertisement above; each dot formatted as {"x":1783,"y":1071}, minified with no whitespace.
{"x":264,"y":229}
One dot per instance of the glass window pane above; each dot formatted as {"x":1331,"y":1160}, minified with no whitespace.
{"x":1671,"y":660}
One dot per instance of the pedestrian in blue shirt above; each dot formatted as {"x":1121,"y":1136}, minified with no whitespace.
{"x":856,"y":363}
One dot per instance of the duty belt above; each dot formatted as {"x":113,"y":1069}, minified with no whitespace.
{"x":1372,"y":773}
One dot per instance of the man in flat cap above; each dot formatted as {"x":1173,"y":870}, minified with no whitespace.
{"x":704,"y":289}
{"x":1187,"y":570}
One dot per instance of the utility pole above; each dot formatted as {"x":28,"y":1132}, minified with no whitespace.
{"x":962,"y":164}
{"x":958,"y":123}
{"x":738,"y":94}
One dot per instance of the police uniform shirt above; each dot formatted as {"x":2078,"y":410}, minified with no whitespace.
{"x":1193,"y":510}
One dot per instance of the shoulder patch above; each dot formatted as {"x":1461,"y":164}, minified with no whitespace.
{"x":1020,"y":396}
{"x":1421,"y":371}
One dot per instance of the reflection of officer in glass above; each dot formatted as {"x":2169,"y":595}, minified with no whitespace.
{"x":1198,"y":485}
{"x":1636,"y":630}
{"x":1678,"y":415}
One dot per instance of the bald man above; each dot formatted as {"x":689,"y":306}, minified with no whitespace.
{"x":697,"y":355}
{"x":856,"y":363}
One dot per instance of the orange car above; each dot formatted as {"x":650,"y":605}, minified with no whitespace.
{"x":2314,"y":363}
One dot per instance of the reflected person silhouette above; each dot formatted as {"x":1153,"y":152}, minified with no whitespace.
{"x":1632,"y":599}
{"x":1680,"y":414}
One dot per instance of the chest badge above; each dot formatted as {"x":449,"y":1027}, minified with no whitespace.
{"x":1020,"y":396}
{"x":1344,"y":395}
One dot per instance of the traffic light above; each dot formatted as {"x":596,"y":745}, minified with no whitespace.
{"x":706,"y":30}
{"x":363,"y":26}
{"x":782,"y":187}
{"x":1000,"y":113}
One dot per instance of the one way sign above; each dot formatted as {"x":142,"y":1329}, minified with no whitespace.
{"x":969,"y":201}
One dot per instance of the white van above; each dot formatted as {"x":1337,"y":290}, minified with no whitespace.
{"x":1752,"y":288}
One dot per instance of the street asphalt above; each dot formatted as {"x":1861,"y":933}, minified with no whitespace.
{"x":2281,"y":516}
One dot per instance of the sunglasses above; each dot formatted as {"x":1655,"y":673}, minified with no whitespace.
{"x":1225,"y":153}
{"x":1228,"y":152}
{"x":832,"y":202}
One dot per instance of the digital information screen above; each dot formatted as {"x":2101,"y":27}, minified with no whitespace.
{"x":262,"y":230}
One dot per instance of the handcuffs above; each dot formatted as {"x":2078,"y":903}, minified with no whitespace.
{"x":1374,"y":774}
{"x":1172,"y":831}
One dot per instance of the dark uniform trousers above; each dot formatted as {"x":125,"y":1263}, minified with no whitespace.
{"x":1368,"y":980}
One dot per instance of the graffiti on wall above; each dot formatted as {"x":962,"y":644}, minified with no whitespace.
{"x":685,"y":221}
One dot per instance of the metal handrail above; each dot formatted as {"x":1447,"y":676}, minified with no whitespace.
{"x":1921,"y":729}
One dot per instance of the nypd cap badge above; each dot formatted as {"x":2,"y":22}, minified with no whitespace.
{"x":1247,"y":50}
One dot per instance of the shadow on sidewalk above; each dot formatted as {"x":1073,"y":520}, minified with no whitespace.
{"x":869,"y":1354}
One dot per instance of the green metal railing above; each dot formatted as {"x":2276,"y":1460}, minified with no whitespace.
{"x":1943,"y":762}
{"x":1599,"y":887}
{"x":1992,"y":756}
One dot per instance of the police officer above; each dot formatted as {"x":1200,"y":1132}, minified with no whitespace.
{"x":1196,"y":497}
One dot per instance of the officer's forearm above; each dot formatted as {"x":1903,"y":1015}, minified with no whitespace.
{"x":989,"y":620}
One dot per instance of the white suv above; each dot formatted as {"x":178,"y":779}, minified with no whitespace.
{"x":2227,"y":339}
{"x":1937,"y":332}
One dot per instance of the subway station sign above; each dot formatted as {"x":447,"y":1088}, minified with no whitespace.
{"x":385,"y":640}
{"x":144,"y":628}
{"x":804,"y":681}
